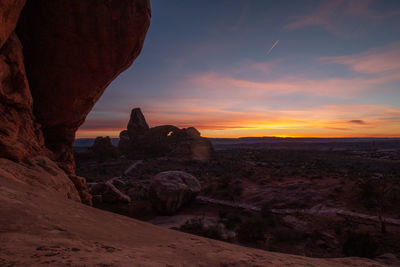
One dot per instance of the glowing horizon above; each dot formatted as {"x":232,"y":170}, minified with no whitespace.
{"x":250,"y":68}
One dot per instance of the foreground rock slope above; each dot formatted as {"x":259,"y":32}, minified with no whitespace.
{"x":44,"y":228}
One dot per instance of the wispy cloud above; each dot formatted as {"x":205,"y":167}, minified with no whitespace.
{"x":381,"y":60}
{"x":336,"y":15}
{"x":357,"y":121}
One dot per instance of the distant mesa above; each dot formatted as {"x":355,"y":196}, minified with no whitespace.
{"x":140,"y":141}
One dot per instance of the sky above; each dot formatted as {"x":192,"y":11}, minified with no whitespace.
{"x":234,"y":68}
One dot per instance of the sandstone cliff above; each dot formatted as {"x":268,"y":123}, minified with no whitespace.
{"x":56,"y":59}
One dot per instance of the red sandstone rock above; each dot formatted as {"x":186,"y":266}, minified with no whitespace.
{"x":40,"y":172}
{"x":20,"y":136}
{"x":9,"y":14}
{"x":80,"y":185}
{"x":73,"y":49}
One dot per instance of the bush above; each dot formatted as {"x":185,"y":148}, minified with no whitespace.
{"x":195,"y":226}
{"x":266,"y":213}
{"x":252,"y":231}
{"x":360,"y":245}
{"x":368,"y":189}
{"x":230,"y":219}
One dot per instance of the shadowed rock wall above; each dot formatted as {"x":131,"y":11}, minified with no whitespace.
{"x":73,"y":49}
{"x":56,"y":59}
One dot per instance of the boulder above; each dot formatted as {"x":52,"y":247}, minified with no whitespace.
{"x":73,"y":49}
{"x":171,"y":190}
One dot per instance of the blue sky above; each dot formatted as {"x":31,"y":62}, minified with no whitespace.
{"x":334,"y":71}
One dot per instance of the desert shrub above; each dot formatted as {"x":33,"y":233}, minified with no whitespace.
{"x":230,"y":219}
{"x":360,"y":245}
{"x":266,"y":211}
{"x":394,"y":195}
{"x":248,"y":173}
{"x":286,"y":234}
{"x":267,"y":214}
{"x":252,"y":231}
{"x":236,"y":188}
{"x":338,"y":228}
{"x":367,"y":190}
{"x":196,"y":226}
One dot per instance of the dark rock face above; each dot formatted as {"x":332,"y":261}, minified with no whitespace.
{"x":73,"y":49}
{"x":139,"y":141}
{"x":170,"y":190}
{"x":137,"y":125}
{"x":20,"y":136}
{"x":9,"y":14}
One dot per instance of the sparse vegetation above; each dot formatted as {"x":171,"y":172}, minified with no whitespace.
{"x":360,"y":245}
{"x":283,"y":179}
{"x":252,"y":231}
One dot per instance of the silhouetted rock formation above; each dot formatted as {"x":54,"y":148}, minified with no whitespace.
{"x":140,"y":141}
{"x":170,"y":190}
{"x":103,"y":149}
{"x":72,"y":50}
{"x":137,"y":125}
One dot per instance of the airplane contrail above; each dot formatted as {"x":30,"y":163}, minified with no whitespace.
{"x":275,"y":44}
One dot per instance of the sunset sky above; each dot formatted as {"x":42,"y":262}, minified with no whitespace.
{"x":263,"y":68}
